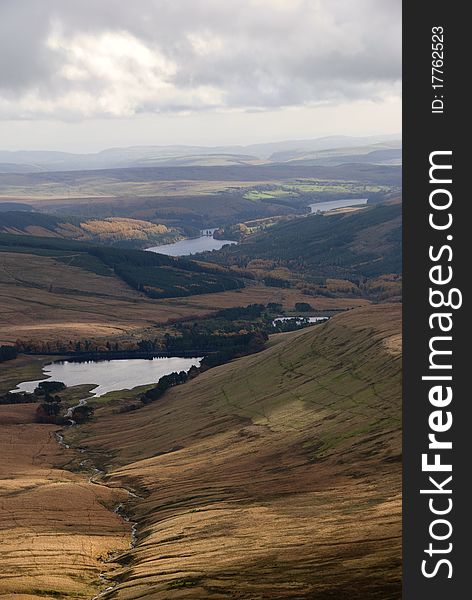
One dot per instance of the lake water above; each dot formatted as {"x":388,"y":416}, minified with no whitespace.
{"x":299,"y":319}
{"x":111,"y":375}
{"x":204,"y":243}
{"x":332,"y":204}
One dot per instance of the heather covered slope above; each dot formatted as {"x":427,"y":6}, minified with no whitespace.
{"x":274,"y":476}
{"x":56,"y":528}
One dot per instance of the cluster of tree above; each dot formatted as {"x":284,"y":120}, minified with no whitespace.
{"x":162,"y":385}
{"x":17,"y":398}
{"x":48,"y":388}
{"x":303,"y":307}
{"x":251,"y":312}
{"x":49,"y":411}
{"x":8,"y":353}
{"x":231,"y":324}
{"x":113,"y":230}
{"x":160,"y":276}
{"x":116,"y":229}
{"x":292,"y":324}
{"x":163,"y":282}
{"x":21,"y":220}
{"x":232,"y":232}
{"x":206,"y":343}
{"x":351,"y":246}
{"x":247,"y":344}
{"x":74,"y":346}
{"x":235,"y":320}
{"x":82,"y":414}
{"x":254,"y":342}
{"x":277,"y":282}
{"x":155,"y":275}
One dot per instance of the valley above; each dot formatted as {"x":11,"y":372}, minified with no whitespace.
{"x":56,"y":526}
{"x":268,"y":469}
{"x":46,"y":300}
{"x":201,"y":297}
{"x":277,"y":473}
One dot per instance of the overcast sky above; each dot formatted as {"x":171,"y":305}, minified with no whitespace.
{"x":82,"y":75}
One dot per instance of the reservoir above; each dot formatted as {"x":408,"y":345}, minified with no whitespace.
{"x":332,"y":204}
{"x":111,"y":375}
{"x":298,"y":320}
{"x":205,"y":243}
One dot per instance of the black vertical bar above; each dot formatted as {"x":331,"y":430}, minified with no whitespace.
{"x":424,"y":132}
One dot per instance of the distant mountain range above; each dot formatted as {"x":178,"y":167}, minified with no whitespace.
{"x":330,"y":150}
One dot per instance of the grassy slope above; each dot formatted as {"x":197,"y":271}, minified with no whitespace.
{"x":176,"y":203}
{"x":46,"y":299}
{"x":133,"y":232}
{"x":55,"y":527}
{"x":362,"y":243}
{"x":155,"y":275}
{"x":274,"y":476}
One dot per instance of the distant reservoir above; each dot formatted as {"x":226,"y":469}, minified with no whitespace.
{"x":205,"y":243}
{"x":332,"y":204}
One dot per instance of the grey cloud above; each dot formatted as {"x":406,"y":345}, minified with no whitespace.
{"x":24,"y":57}
{"x":266,"y":54}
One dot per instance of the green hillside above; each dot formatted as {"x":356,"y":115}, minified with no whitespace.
{"x":156,"y":275}
{"x":352,"y":245}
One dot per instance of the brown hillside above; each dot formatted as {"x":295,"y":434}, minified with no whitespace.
{"x":45,"y":300}
{"x":55,"y":527}
{"x":275,"y":476}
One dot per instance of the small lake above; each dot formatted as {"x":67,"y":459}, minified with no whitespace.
{"x":332,"y":204}
{"x":205,"y":243}
{"x":111,"y":375}
{"x":299,"y":319}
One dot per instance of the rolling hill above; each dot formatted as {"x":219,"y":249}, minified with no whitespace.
{"x":387,"y":175}
{"x":374,"y":153}
{"x":141,"y":156}
{"x":112,"y":230}
{"x":54,"y":290}
{"x":155,"y":275}
{"x":196,"y":196}
{"x":274,"y":476}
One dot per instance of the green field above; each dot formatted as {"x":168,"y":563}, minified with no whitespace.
{"x":325,"y":188}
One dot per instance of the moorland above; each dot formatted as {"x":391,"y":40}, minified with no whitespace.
{"x":270,"y":471}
